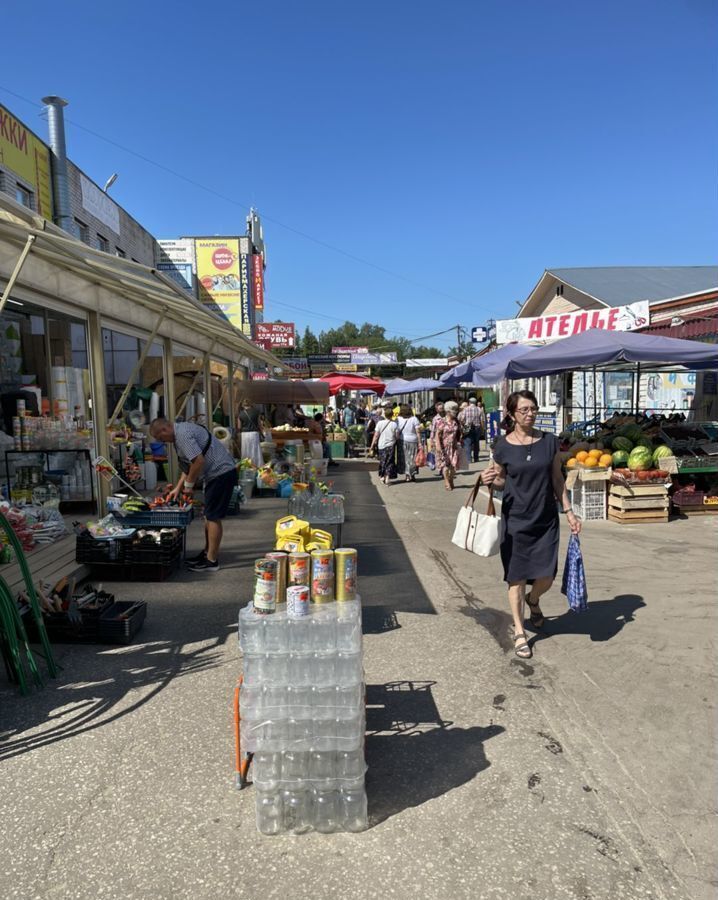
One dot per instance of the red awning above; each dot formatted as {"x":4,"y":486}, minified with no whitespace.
{"x":338,"y":381}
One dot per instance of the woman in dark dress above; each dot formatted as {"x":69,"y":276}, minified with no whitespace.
{"x":528,"y":468}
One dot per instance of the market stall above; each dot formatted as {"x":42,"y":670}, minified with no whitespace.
{"x":632,"y":468}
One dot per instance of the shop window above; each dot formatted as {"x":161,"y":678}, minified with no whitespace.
{"x":22,"y":195}
{"x":103,"y":244}
{"x":121,"y":354}
{"x":83,"y":232}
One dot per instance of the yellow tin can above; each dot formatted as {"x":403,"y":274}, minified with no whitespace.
{"x":345,"y":562}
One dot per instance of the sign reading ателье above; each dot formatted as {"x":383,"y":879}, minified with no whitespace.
{"x":560,"y":325}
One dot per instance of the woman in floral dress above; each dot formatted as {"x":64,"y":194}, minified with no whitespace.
{"x":448,"y":441}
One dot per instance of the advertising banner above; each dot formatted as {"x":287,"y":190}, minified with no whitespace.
{"x":176,"y":257}
{"x":545,"y":328}
{"x":258,"y":281}
{"x":298,"y":364}
{"x":223,"y":279}
{"x":274,"y":334}
{"x":329,"y":359}
{"x":350,"y":349}
{"x":247,"y":317}
{"x":373,"y":359}
{"x":29,"y":158}
{"x":260,"y":376}
{"x":99,"y":205}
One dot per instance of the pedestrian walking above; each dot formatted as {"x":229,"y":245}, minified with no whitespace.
{"x":385,"y":435}
{"x":447,"y":441}
{"x":200,"y":454}
{"x":470,"y":420}
{"x":250,"y":423}
{"x":527,"y":466}
{"x":407,"y":443}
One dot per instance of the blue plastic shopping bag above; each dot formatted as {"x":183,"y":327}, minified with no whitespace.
{"x":431,"y":460}
{"x":574,"y":577}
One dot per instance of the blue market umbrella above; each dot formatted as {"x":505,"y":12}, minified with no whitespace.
{"x":475,"y":370}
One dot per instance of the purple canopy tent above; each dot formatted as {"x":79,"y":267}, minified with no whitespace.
{"x":600,"y":349}
{"x":475,"y":369}
{"x":610,"y":348}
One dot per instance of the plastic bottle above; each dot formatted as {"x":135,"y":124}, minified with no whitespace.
{"x":269,"y":811}
{"x":327,"y":809}
{"x":354,"y":808}
{"x":297,"y":810}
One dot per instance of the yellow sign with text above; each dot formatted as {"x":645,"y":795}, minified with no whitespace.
{"x":29,"y":158}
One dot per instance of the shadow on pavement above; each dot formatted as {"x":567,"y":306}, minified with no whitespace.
{"x":604,"y":619}
{"x":416,"y":756}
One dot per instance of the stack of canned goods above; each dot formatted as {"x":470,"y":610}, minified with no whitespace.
{"x":298,"y":578}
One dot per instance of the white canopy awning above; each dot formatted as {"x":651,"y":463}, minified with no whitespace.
{"x":61,"y":268}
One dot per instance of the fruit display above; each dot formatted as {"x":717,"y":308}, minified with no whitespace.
{"x":640,"y":459}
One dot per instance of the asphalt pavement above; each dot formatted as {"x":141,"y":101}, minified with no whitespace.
{"x":587,"y":772}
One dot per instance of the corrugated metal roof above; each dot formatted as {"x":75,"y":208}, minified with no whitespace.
{"x":700,"y":327}
{"x":619,"y":285}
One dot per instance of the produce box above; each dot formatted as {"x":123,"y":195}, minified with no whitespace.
{"x":337,"y":449}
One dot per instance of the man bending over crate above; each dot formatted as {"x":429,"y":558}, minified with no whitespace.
{"x":200,"y":453}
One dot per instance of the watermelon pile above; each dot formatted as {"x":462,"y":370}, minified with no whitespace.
{"x":640,"y":459}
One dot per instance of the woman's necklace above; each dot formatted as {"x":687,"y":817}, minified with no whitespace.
{"x":529,"y":445}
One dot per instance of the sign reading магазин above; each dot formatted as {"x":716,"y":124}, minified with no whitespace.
{"x":547,"y":328}
{"x":99,"y":205}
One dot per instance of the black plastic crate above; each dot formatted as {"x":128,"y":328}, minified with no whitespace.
{"x":166,"y":551}
{"x":121,"y":621}
{"x":153,"y":571}
{"x":115,"y":551}
{"x":63,"y":629}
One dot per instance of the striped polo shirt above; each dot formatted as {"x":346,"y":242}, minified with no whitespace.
{"x":189,"y":443}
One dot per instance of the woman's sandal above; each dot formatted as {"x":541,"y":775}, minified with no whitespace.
{"x":523,"y":651}
{"x":537,"y":619}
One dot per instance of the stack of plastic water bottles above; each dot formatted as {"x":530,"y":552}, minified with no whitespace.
{"x":302,"y":716}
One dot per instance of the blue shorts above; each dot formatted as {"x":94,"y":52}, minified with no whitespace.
{"x":218,"y":494}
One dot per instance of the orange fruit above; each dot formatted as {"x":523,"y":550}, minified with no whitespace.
{"x":582,"y":455}
{"x":597,"y":454}
{"x":591,"y":462}
{"x":605,"y":460}
{"x":570,"y":463}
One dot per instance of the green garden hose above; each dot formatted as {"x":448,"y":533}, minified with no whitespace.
{"x":32,"y":597}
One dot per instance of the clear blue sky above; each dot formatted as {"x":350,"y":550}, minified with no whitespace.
{"x":465,"y":146}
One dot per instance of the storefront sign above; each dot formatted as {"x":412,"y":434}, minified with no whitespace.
{"x":99,"y":205}
{"x":330,"y":360}
{"x":347,"y":367}
{"x":298,"y":364}
{"x":180,"y":273}
{"x":247,"y":318}
{"x":478,"y":334}
{"x":258,"y":283}
{"x":176,"y":258}
{"x":274,"y":334}
{"x":546,"y":328}
{"x":29,"y":158}
{"x":546,"y":422}
{"x":350,"y":349}
{"x":373,"y":359}
{"x":260,"y":376}
{"x":429,"y":363}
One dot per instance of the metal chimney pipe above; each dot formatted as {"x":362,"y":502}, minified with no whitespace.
{"x":60,"y":185}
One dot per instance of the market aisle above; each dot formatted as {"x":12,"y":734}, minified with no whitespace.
{"x":486,"y":777}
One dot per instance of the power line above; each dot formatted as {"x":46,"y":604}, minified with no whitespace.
{"x":243,"y":205}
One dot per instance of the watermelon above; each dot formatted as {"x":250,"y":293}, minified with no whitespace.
{"x":661,"y":453}
{"x":640,"y":459}
{"x":620,"y":459}
{"x":632,"y":432}
{"x":645,"y":442}
{"x":622,"y":443}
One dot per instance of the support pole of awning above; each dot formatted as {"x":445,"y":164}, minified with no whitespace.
{"x":138,"y":367}
{"x":195,"y":380}
{"x":16,"y":271}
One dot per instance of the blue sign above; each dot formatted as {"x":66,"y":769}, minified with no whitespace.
{"x":181,"y":273}
{"x":479,"y":334}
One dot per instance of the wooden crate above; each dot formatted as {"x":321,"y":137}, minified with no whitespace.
{"x":637,"y":516}
{"x":625,"y":503}
{"x":638,"y":504}
{"x":638,"y":490}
